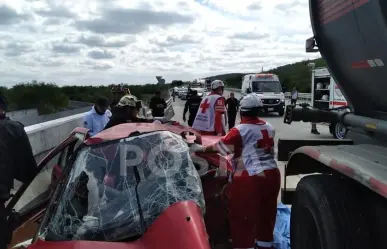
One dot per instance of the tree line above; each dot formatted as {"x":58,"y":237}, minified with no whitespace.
{"x":51,"y":98}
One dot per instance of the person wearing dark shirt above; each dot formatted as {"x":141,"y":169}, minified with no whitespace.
{"x":16,"y":162}
{"x":192,"y":104}
{"x":157,"y":105}
{"x":232,"y":105}
{"x":127,"y":111}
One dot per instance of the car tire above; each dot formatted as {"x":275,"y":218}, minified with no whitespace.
{"x":327,"y":212}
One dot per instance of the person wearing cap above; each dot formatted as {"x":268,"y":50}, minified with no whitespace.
{"x":255,"y":180}
{"x":16,"y":162}
{"x":192,"y":104}
{"x":118,"y":92}
{"x":127,"y":112}
{"x":210,"y":118}
{"x":97,"y":118}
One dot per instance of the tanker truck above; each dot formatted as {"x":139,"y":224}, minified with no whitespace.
{"x":341,"y":200}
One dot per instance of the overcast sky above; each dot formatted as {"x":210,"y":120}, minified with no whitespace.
{"x":98,"y":42}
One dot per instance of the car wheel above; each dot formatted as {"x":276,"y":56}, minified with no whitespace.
{"x":328,"y":213}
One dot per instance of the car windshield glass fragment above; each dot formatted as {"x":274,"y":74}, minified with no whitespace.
{"x":266,"y":86}
{"x":115,"y":191}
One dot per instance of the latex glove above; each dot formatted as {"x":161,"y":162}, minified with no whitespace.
{"x":196,"y":148}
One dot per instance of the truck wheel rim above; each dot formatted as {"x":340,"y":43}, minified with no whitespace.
{"x":340,"y":131}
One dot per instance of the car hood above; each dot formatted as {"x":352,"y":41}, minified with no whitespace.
{"x":270,"y":95}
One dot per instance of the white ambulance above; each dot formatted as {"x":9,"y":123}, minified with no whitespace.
{"x":326,"y":95}
{"x":269,"y":89}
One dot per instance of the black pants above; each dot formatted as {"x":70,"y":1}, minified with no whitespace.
{"x":293,"y":101}
{"x":3,"y":228}
{"x":191,"y":121}
{"x":231,"y":119}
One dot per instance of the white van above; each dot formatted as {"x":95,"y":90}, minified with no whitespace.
{"x":269,"y":89}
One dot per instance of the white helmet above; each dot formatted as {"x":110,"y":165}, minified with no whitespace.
{"x":216,"y":83}
{"x":251,"y":102}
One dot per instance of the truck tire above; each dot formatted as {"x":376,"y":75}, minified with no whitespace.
{"x":326,"y":213}
{"x":339,"y":131}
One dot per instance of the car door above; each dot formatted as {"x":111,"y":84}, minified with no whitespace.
{"x":31,"y":199}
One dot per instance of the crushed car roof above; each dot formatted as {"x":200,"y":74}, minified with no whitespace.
{"x":124,"y":130}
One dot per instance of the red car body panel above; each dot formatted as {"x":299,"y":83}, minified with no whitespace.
{"x":182,"y":224}
{"x":179,"y":226}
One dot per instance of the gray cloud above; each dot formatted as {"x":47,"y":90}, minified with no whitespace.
{"x":249,"y":36}
{"x":131,"y":21}
{"x":10,"y":16}
{"x":56,"y":12}
{"x":13,"y":49}
{"x":48,"y":62}
{"x":288,"y":5}
{"x":101,"y":41}
{"x":98,"y":65}
{"x":63,"y":48}
{"x":100,"y":54}
{"x":254,"y":7}
{"x":175,"y":40}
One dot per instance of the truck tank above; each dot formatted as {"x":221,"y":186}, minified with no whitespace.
{"x":351,"y":36}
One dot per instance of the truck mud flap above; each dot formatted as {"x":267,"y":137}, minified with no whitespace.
{"x":287,"y":146}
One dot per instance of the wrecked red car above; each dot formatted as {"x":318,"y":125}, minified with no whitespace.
{"x":132,"y":186}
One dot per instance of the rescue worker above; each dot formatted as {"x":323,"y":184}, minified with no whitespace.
{"x":157,"y":105}
{"x":232,"y":105}
{"x":211,"y":118}
{"x":16,"y":162}
{"x":255,"y":182}
{"x":127,"y":112}
{"x":192,"y":104}
{"x":97,"y":118}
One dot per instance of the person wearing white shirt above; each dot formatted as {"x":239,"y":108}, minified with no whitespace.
{"x":97,"y":118}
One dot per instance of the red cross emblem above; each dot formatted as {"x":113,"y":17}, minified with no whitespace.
{"x":205,"y":106}
{"x":266,"y":143}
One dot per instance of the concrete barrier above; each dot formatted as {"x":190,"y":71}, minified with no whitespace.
{"x":45,"y":136}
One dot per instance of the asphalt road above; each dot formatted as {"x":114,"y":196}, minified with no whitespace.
{"x":297,"y":130}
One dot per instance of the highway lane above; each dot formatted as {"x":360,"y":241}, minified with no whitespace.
{"x":297,"y":130}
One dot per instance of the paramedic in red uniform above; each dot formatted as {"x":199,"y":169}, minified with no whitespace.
{"x":211,"y":118}
{"x":256,"y":180}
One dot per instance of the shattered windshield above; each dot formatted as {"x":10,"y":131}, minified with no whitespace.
{"x":266,"y":86}
{"x":115,"y":191}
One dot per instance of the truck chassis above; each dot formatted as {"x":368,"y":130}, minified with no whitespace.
{"x":341,"y":202}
